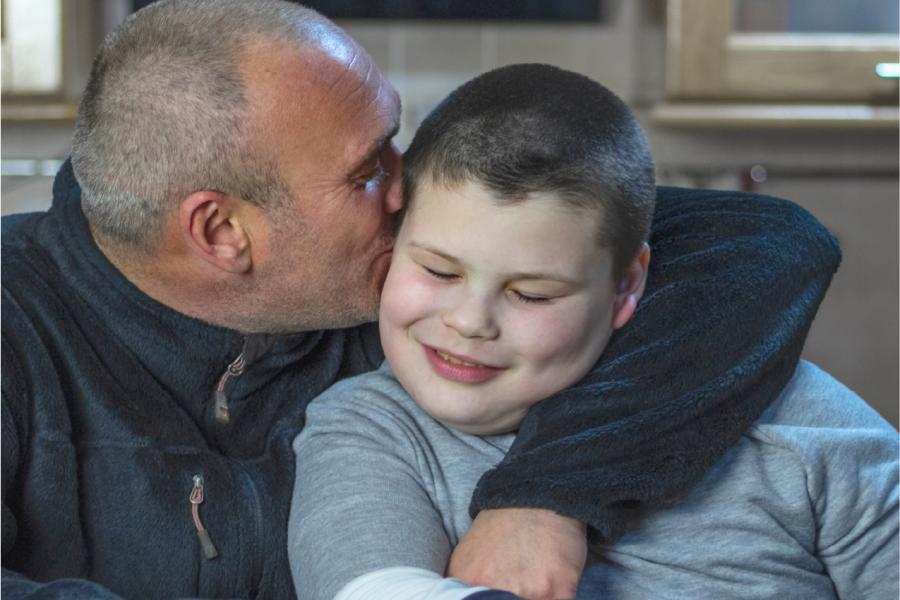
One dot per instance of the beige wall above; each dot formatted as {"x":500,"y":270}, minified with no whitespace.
{"x":847,"y":178}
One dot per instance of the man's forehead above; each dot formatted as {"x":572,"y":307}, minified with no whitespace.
{"x":333,"y":43}
{"x":393,"y":108}
{"x":322,"y":61}
{"x":364,"y":154}
{"x":351,"y":76}
{"x":332,"y":89}
{"x":317,"y":75}
{"x":385,"y":106}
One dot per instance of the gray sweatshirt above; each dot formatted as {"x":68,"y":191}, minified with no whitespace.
{"x":804,"y":506}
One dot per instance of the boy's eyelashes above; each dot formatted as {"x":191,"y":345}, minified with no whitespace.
{"x":443,"y":276}
{"x":530,"y":299}
{"x":440,"y":274}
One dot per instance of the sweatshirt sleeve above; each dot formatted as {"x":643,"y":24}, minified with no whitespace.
{"x":734,"y":282}
{"x":359,"y":504}
{"x":407,"y":583}
{"x":850,"y":455}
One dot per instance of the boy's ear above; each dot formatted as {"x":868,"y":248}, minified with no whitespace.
{"x":631,"y":288}
{"x":213,"y":232}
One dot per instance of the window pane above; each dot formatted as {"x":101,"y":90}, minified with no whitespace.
{"x":817,"y":16}
{"x":32,"y":46}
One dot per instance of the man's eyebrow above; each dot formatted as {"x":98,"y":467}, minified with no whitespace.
{"x":517,"y":276}
{"x":376,"y":147}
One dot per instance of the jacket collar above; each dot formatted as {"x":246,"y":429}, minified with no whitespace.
{"x":186,"y":355}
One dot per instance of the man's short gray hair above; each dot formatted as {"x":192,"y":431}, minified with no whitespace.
{"x":164,"y":113}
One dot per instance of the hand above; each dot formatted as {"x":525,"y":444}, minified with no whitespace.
{"x":535,"y":553}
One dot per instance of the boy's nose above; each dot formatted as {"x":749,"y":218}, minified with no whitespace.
{"x":472,"y":317}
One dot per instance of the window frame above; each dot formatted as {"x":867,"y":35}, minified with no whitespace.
{"x":707,"y":60}
{"x":83,"y":24}
{"x":58,"y":94}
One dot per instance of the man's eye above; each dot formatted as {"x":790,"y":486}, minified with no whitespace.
{"x":375,"y":176}
{"x":530,"y":299}
{"x":440,"y":274}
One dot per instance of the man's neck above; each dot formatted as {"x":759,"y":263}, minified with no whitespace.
{"x":163,"y":276}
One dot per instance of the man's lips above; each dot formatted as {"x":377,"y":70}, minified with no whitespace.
{"x":462,"y":369}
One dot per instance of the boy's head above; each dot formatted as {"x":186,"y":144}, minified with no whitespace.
{"x":529,"y":192}
{"x":534,"y":128}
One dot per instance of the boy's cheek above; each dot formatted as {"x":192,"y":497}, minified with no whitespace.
{"x":554,"y":329}
{"x":408,"y":297}
{"x":562,"y":335}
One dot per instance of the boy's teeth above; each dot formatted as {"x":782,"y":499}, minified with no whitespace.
{"x":455,"y":361}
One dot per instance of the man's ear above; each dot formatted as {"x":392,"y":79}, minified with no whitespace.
{"x":631,"y":288}
{"x":213,"y":232}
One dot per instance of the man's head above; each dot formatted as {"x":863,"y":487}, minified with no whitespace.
{"x":236,"y":163}
{"x":530,"y":193}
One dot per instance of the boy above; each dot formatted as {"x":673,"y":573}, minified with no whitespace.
{"x":530,"y":193}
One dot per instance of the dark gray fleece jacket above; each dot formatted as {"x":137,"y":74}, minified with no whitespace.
{"x":118,"y":478}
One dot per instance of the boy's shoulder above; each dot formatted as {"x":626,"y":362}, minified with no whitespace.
{"x":371,"y":403}
{"x":813,"y":400}
{"x":370,"y":393}
{"x":374,"y":407}
{"x":813,"y":482}
{"x":827,"y":432}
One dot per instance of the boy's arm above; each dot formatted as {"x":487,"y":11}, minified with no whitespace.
{"x":852,"y":479}
{"x":360,"y":505}
{"x":735,"y":280}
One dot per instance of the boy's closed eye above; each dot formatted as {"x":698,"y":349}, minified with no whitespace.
{"x":516,"y":294}
{"x":529,"y":299}
{"x":440,"y":274}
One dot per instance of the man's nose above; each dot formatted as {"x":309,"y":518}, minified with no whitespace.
{"x":393,"y":197}
{"x":471,"y":316}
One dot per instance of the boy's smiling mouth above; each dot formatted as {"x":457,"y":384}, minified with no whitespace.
{"x":456,"y":361}
{"x":458,"y":368}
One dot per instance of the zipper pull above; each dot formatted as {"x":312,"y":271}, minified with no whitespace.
{"x":233,"y":370}
{"x":209,"y":549}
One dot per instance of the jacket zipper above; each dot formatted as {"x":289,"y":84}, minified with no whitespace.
{"x":233,"y":370}
{"x":209,"y":549}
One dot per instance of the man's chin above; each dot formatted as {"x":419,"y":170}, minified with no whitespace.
{"x":333,"y":317}
{"x":353,"y":316}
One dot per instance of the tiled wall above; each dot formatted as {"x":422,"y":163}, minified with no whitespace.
{"x":426,"y":61}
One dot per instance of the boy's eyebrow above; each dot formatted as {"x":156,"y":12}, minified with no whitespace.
{"x":542,"y":276}
{"x":518,"y":276}
{"x":433,"y":250}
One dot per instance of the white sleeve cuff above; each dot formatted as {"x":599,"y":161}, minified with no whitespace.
{"x":405,"y":583}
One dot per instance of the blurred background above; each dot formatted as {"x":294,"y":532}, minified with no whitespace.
{"x":793,"y":98}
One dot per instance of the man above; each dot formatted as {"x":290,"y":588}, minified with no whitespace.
{"x":213,"y":269}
